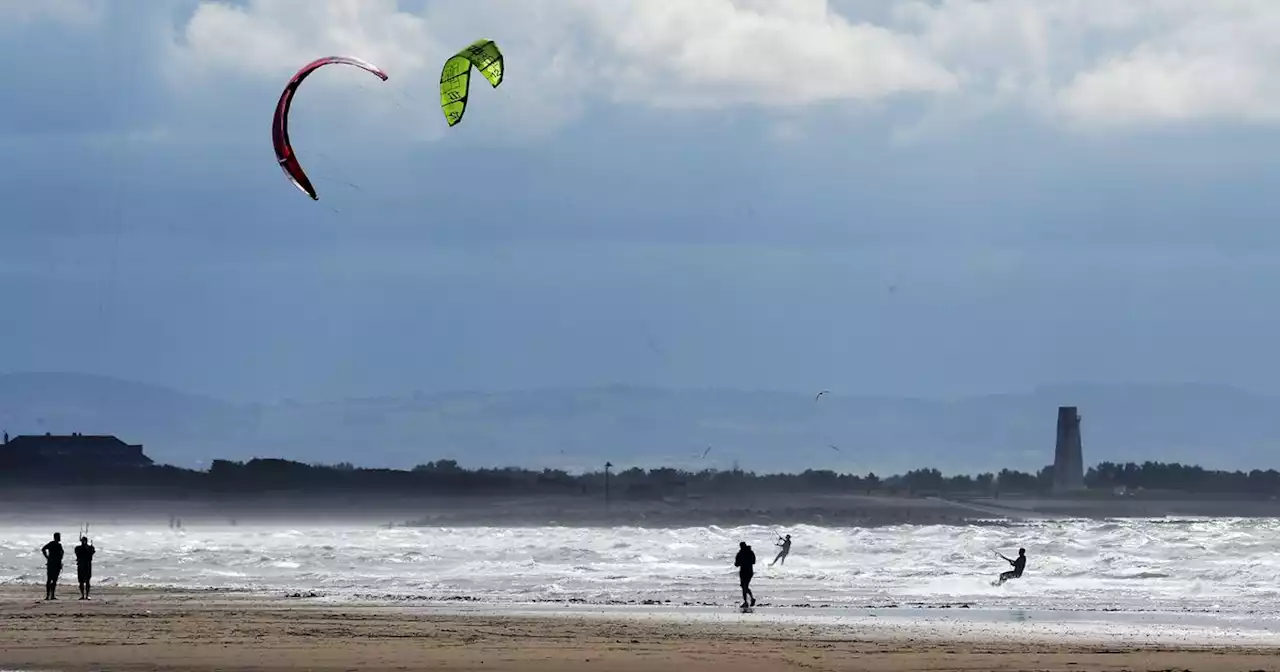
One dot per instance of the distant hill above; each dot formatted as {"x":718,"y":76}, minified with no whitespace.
{"x":580,"y":428}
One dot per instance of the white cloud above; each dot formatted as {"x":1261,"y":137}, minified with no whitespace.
{"x":561,"y":53}
{"x":269,"y":37}
{"x":768,"y":52}
{"x":1109,"y":62}
{"x":1211,"y":61}
{"x":1086,"y":62}
{"x":1167,"y":85}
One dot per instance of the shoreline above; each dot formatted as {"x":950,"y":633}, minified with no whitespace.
{"x":767,"y":609}
{"x":188,"y":630}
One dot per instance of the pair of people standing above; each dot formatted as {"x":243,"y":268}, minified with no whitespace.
{"x":53,"y":565}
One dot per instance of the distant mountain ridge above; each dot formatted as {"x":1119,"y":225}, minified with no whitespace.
{"x":579,"y":428}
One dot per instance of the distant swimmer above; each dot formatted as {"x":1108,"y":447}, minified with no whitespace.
{"x":785,"y":544}
{"x":53,"y":565}
{"x":1018,"y":565}
{"x":84,"y":566}
{"x":745,"y":562}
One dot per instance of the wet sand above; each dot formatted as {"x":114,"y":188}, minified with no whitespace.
{"x":182,"y":630}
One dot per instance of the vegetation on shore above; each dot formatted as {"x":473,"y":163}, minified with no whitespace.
{"x":446,"y":477}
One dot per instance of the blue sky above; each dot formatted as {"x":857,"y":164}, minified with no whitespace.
{"x":916,"y":198}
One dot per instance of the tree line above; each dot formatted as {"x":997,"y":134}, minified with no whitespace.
{"x":447,"y":477}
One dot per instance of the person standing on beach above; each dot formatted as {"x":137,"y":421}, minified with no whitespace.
{"x":745,"y":562}
{"x":84,"y":566}
{"x":782,"y":555}
{"x":53,"y":565}
{"x":1018,"y":565}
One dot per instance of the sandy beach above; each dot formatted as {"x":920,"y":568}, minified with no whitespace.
{"x":176,"y":630}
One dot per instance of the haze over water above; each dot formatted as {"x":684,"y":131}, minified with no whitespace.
{"x":1210,"y":566}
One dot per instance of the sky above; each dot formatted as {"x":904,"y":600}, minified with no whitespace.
{"x":931,"y":199}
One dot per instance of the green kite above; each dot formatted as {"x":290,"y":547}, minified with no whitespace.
{"x":455,"y":78}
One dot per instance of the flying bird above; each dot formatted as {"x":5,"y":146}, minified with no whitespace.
{"x":815,"y":398}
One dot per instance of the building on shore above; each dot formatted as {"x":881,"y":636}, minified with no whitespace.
{"x":76,"y":451}
{"x":1068,"y":458}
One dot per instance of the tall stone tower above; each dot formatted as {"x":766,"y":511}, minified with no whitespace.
{"x":1068,"y":460}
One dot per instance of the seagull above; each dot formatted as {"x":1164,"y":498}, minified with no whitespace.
{"x":815,"y":398}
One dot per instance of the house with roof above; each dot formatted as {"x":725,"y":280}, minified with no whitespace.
{"x":77,"y":451}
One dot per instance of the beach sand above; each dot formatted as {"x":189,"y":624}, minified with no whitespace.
{"x":183,"y":630}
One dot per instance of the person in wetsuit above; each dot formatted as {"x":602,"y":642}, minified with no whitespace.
{"x":1018,"y":565}
{"x":53,"y":565}
{"x":84,"y":566}
{"x":782,"y":555}
{"x":745,"y":562}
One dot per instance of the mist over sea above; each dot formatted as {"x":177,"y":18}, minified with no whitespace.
{"x":1218,"y":566}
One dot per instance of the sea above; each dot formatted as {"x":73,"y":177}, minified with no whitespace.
{"x":1220,"y":572}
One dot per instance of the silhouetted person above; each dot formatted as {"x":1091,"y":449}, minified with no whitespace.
{"x":53,"y":565}
{"x":782,"y":555}
{"x":1018,"y":565}
{"x":84,"y":566}
{"x":745,"y":562}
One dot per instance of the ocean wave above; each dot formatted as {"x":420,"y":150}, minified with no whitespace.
{"x":1162,"y":565}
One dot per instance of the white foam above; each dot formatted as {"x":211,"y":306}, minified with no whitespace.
{"x":1218,"y":566}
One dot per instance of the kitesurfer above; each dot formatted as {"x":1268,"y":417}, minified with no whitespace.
{"x":745,"y":562}
{"x":785,"y":544}
{"x":1018,"y":565}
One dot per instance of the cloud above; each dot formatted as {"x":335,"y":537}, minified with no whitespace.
{"x":932,"y":67}
{"x":1094,"y":63}
{"x":562,"y":55}
{"x":262,"y":37}
{"x":1082,"y":62}
{"x":266,"y":41}
{"x":1170,"y":86}
{"x":1211,"y":61}
{"x":781,"y":53}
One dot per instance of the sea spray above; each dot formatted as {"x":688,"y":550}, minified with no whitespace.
{"x":1198,"y":565}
